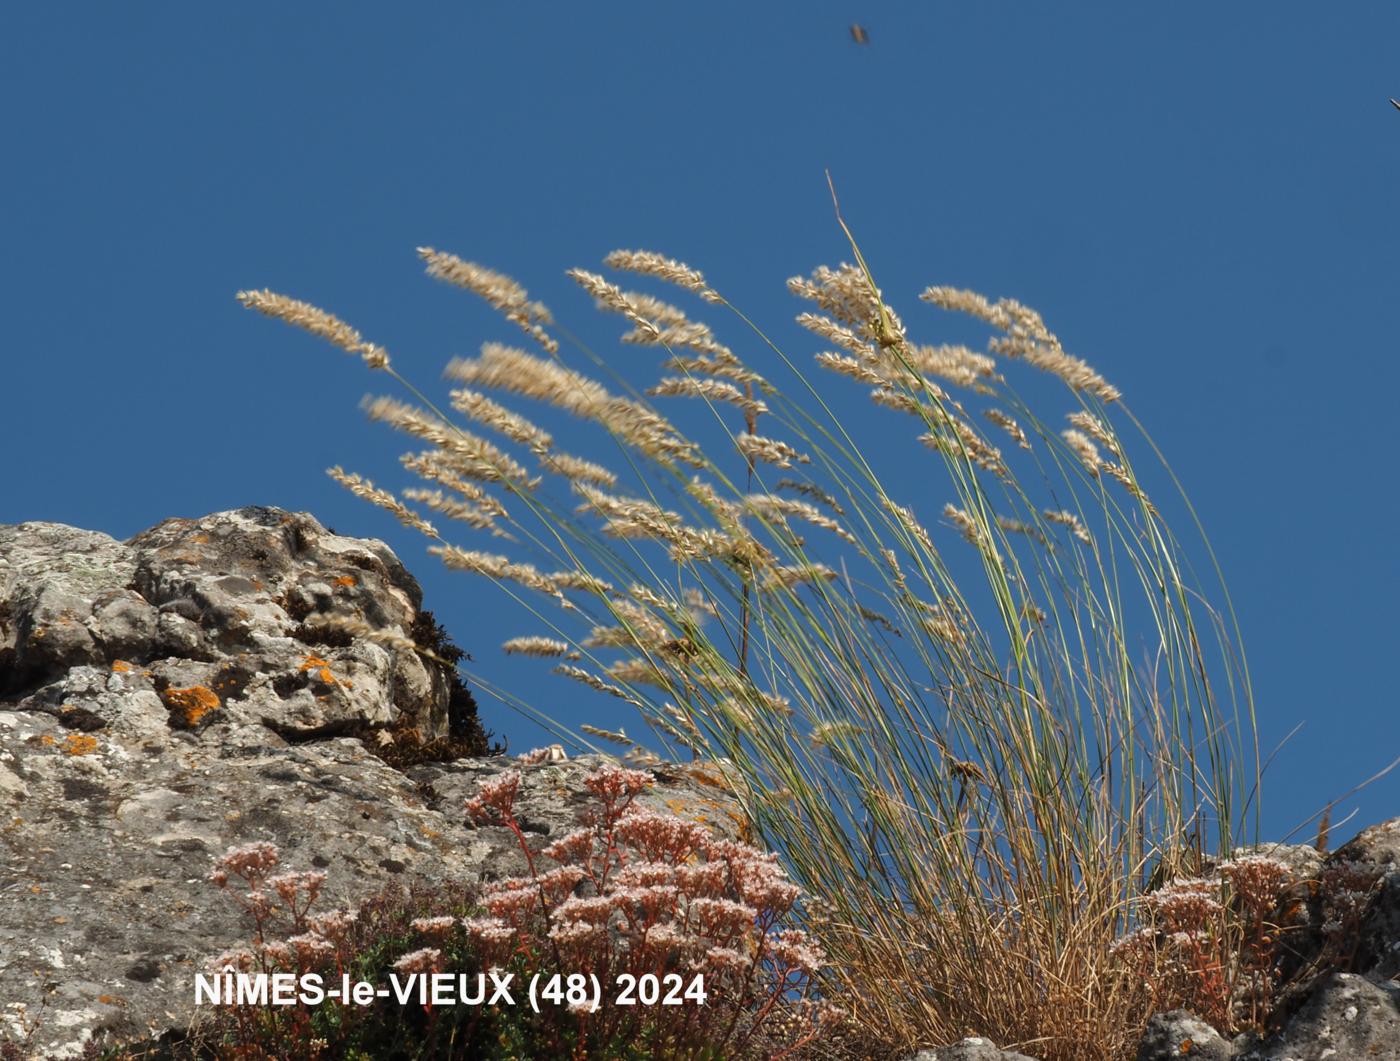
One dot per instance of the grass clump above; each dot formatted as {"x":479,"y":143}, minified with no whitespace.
{"x":970,"y":689}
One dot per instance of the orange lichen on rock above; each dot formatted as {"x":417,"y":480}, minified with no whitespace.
{"x":121,"y":666}
{"x":707,"y":774}
{"x":710,"y":812}
{"x":323,"y":671}
{"x":79,"y":744}
{"x":345,"y":580}
{"x":189,"y":707}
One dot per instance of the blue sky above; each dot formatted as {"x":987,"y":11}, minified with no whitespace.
{"x":1201,"y":199}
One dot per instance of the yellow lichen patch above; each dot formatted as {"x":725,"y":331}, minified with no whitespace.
{"x":46,"y":739}
{"x":711,"y":813}
{"x":323,"y":671}
{"x":120,"y":666}
{"x":79,"y":744}
{"x":707,"y":774}
{"x":345,"y":580}
{"x":189,"y":707}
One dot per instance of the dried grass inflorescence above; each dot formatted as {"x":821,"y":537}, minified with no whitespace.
{"x":649,"y":263}
{"x":499,"y":291}
{"x":536,"y":646}
{"x":363,"y":488}
{"x":770,"y":451}
{"x":974,"y":760}
{"x":631,"y":422}
{"x":1025,"y":337}
{"x":317,"y":322}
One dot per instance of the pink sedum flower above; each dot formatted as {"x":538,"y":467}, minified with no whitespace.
{"x":434,"y":927}
{"x":495,"y":797}
{"x":426,"y":961}
{"x":488,"y":929}
{"x":614,"y":781}
{"x":251,"y":862}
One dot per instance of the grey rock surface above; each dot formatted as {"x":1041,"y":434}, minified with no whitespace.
{"x":1347,"y":1017}
{"x":1339,"y":930}
{"x":1377,"y":849}
{"x":1177,"y":1034}
{"x":1342,"y":915}
{"x":165,"y":699}
{"x":973,"y":1048}
{"x":211,"y":618}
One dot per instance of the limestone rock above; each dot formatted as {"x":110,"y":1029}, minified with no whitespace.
{"x":1344,"y":916}
{"x":973,"y":1048}
{"x":1178,"y":1034}
{"x":1348,"y":1016}
{"x":1377,"y":849}
{"x":164,"y":699}
{"x":1339,"y":930}
{"x":211,"y":616}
